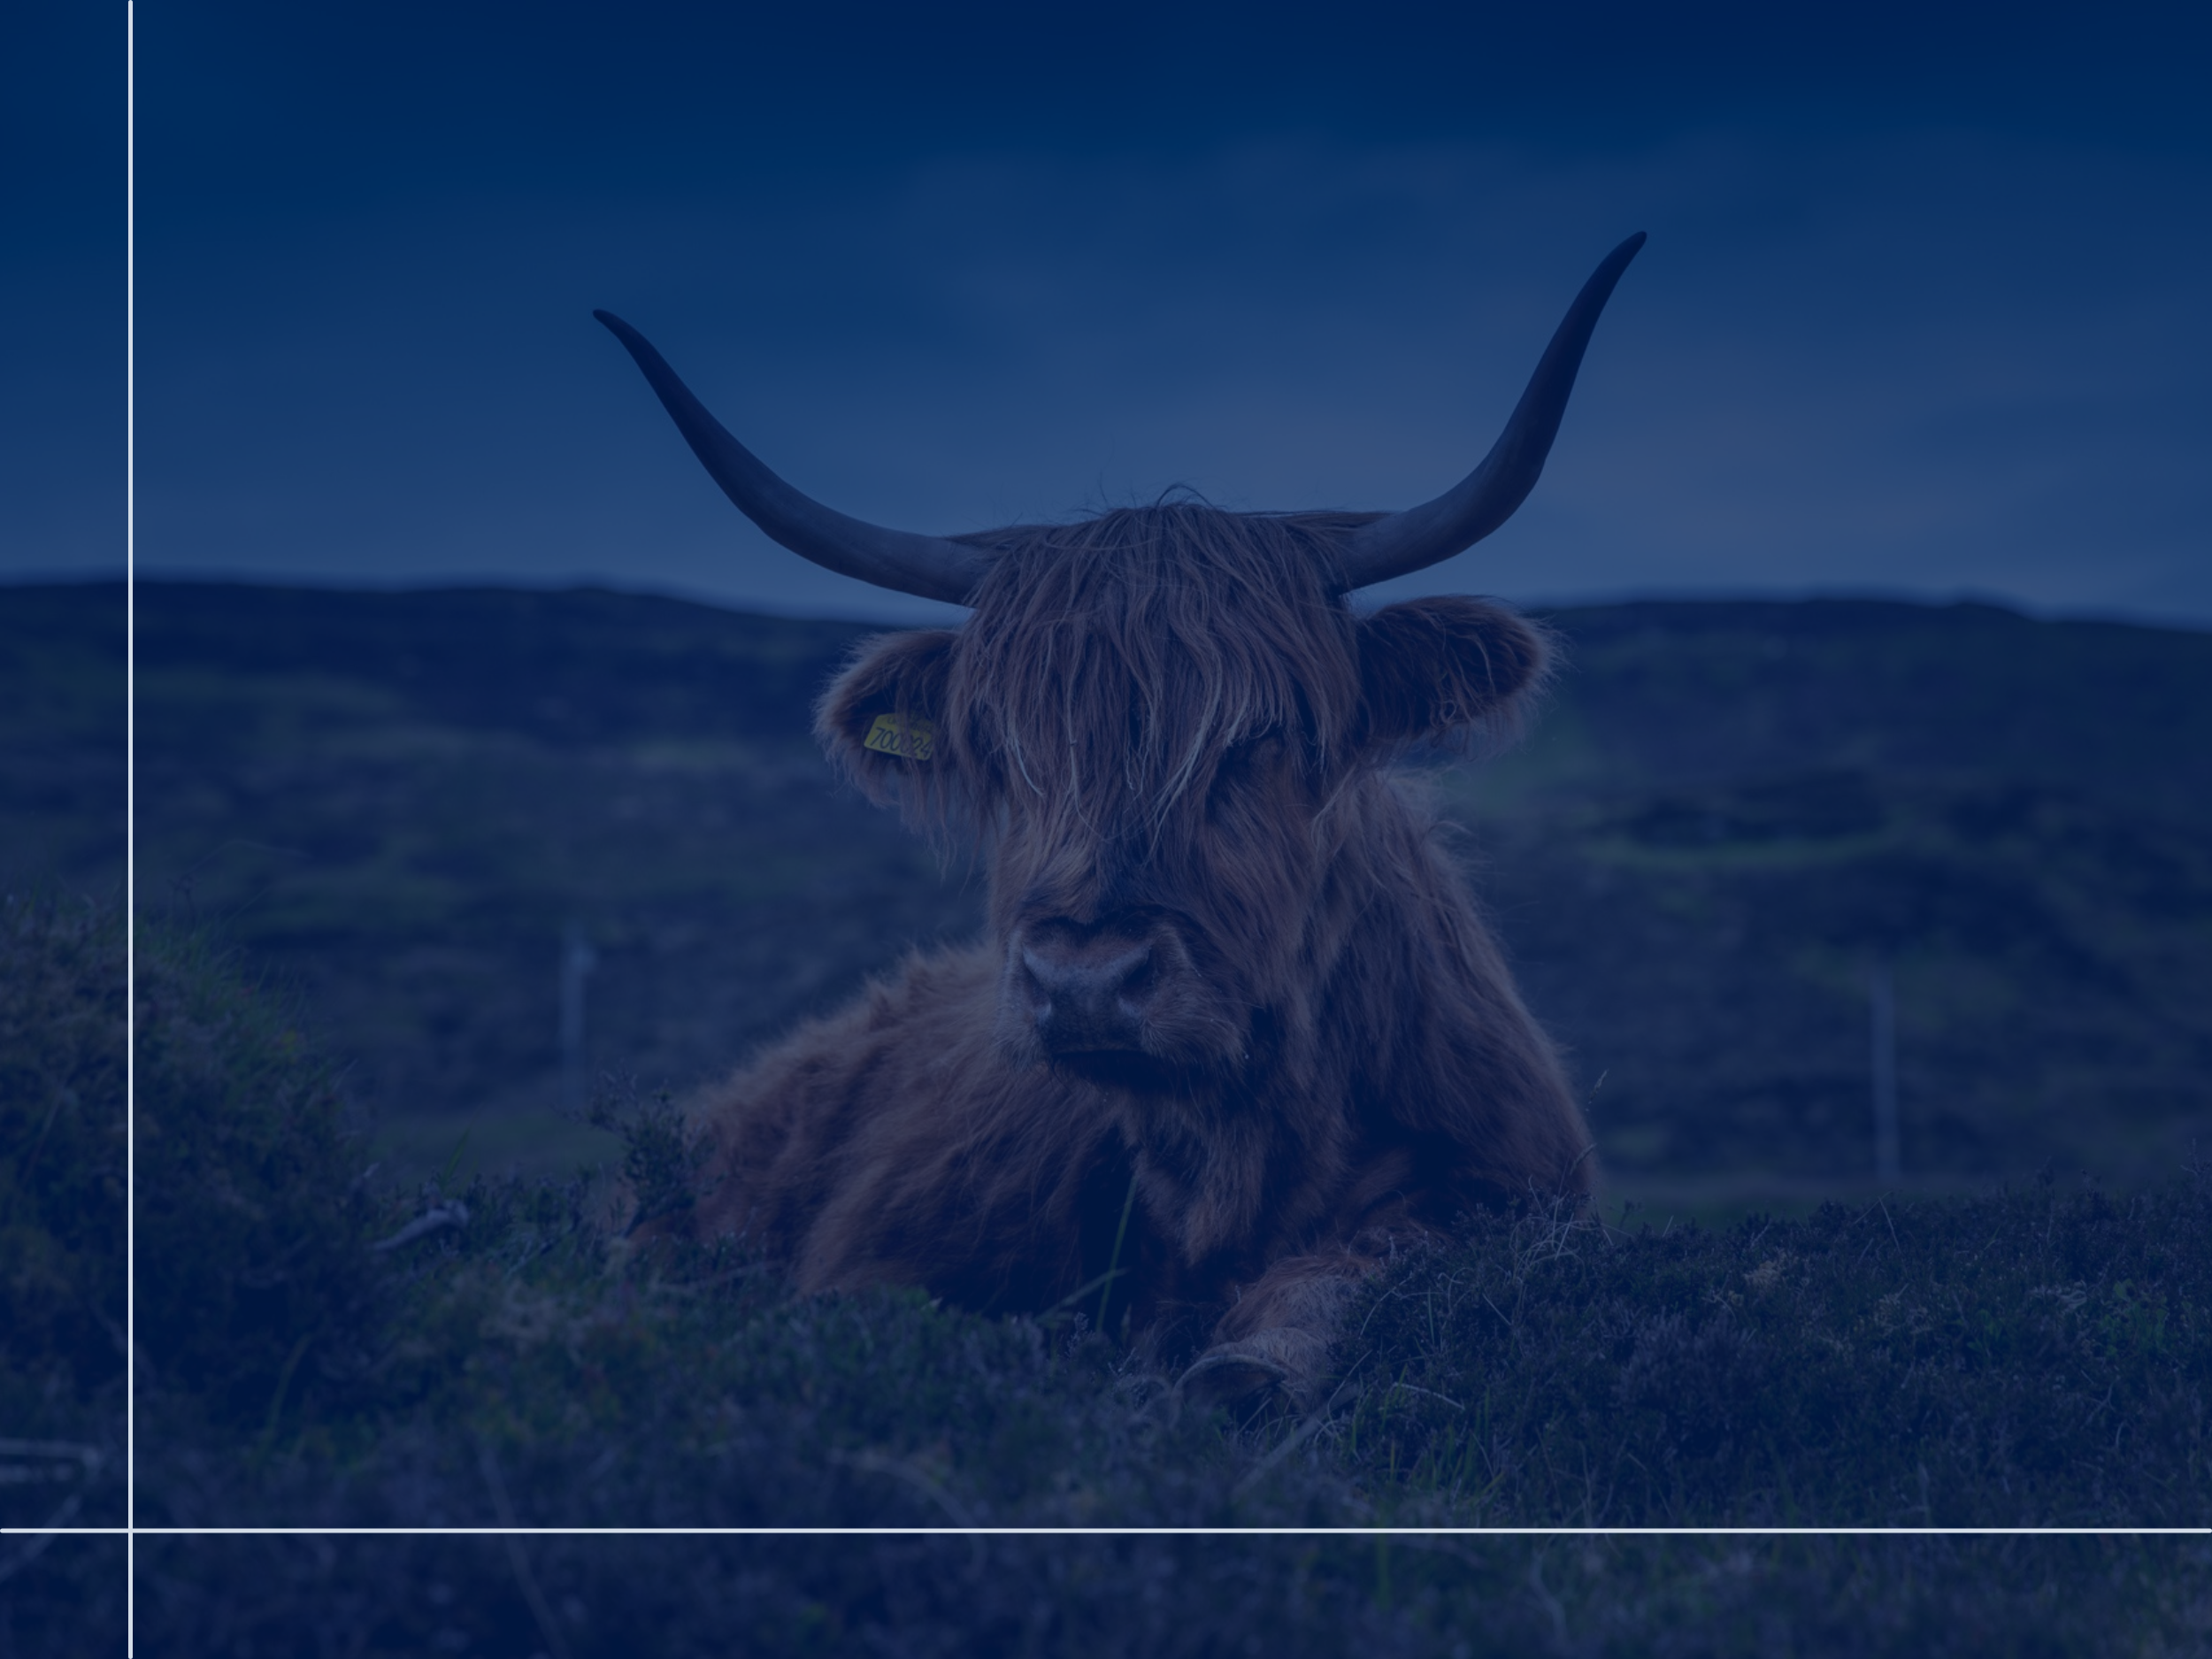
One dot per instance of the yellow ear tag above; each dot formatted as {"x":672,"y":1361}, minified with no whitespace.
{"x":916,"y":740}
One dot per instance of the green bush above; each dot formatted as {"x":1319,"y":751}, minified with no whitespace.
{"x":62,"y":1185}
{"x":256,"y":1289}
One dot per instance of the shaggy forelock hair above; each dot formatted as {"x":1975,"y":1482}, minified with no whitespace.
{"x":1112,"y":663}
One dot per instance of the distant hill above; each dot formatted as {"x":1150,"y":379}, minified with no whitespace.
{"x":569,"y":670}
{"x":1669,"y":694}
{"x":63,"y":721}
{"x":1727,"y":816}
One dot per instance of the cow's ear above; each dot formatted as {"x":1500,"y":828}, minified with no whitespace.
{"x":880,"y":719}
{"x":1446,"y":669}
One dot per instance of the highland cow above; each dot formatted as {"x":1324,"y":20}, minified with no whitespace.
{"x":1237,"y":1029}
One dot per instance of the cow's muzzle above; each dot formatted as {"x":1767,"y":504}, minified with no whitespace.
{"x":1120,"y":1002}
{"x":1088,"y":990}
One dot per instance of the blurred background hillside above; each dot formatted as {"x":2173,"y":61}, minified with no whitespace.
{"x":507,"y":844}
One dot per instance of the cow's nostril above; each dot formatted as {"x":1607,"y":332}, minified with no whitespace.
{"x":1138,"y":978}
{"x":1038,"y":979}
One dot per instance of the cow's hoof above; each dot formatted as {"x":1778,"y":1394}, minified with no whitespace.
{"x":1235,"y":1377}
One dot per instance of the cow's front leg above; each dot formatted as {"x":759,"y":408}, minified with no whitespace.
{"x":1276,"y":1338}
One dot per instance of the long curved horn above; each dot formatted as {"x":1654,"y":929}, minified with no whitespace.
{"x":1485,"y":498}
{"x":927,"y":567}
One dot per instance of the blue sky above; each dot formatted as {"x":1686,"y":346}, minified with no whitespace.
{"x":1921,"y":312}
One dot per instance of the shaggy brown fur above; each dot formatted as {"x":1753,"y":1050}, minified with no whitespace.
{"x":1226,"y":960}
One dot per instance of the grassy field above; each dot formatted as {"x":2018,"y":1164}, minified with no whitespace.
{"x":321,"y":1348}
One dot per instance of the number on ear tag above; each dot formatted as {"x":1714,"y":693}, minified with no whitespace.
{"x":916,"y":740}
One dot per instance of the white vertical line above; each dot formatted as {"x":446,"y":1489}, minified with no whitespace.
{"x":130,"y":828}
